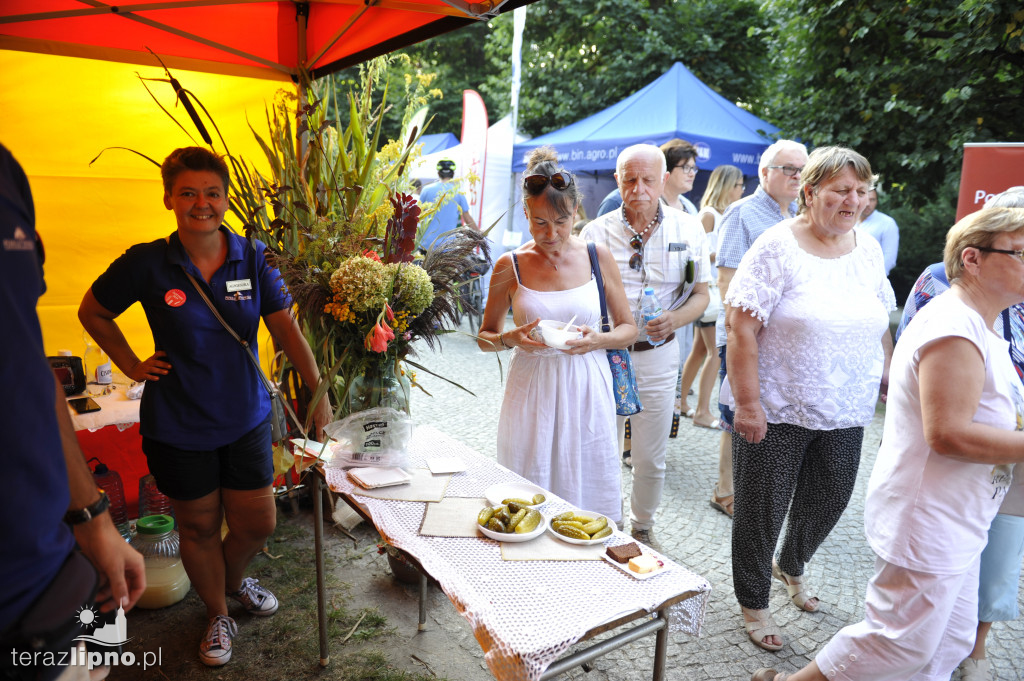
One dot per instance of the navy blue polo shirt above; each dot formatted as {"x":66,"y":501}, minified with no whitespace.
{"x":212,"y":394}
{"x":34,"y":537}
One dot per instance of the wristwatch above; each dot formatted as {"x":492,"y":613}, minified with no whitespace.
{"x":86,"y":514}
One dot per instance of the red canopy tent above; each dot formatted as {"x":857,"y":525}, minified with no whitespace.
{"x":253,"y":38}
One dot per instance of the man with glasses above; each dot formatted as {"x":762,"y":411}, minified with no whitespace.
{"x":772,"y":202}
{"x":663,"y":248}
{"x":681,"y":163}
{"x":453,"y":210}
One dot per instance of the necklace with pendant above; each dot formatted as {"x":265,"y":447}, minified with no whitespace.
{"x":640,"y":235}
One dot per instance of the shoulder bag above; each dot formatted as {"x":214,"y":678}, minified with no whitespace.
{"x":278,"y":406}
{"x":627,"y":395}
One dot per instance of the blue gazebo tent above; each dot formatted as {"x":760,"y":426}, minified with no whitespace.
{"x":677,"y":104}
{"x":438,"y":142}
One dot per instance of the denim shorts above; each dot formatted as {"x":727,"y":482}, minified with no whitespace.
{"x":185,"y":475}
{"x":999,"y":578}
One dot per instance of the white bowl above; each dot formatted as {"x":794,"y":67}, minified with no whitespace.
{"x":513,"y":537}
{"x":582,"y":542}
{"x":555,"y":334}
{"x":496,"y":494}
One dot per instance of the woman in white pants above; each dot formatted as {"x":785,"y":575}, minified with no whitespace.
{"x":953,"y":432}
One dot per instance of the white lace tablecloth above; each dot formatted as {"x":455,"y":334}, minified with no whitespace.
{"x":525,"y":615}
{"x":115,"y":410}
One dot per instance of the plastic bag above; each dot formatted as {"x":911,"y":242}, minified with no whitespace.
{"x":375,"y":437}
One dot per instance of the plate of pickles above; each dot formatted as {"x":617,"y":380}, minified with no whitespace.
{"x":581,"y":527}
{"x":522,"y":493}
{"x":511,"y":522}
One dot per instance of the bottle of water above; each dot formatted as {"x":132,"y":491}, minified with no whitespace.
{"x":650,"y":308}
{"x":97,"y":364}
{"x":110,"y":482}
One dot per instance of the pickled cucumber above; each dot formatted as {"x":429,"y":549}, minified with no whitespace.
{"x":516,"y":519}
{"x":495,"y":525}
{"x":514,"y":508}
{"x":572,"y":532}
{"x":568,"y":515}
{"x":602,"y":533}
{"x":539,"y":499}
{"x":516,"y":500}
{"x":529,"y":523}
{"x":567,"y":523}
{"x":599,"y":524}
{"x":581,"y":518}
{"x":502,"y":514}
{"x":485,"y":515}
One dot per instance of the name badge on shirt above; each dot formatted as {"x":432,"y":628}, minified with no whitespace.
{"x":673,"y":248}
{"x":239,"y":285}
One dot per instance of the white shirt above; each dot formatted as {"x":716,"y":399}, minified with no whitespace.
{"x":820,"y":355}
{"x":712,"y":238}
{"x":885,"y":231}
{"x":678,"y":240}
{"x":925,"y":511}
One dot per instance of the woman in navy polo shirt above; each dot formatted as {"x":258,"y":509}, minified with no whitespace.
{"x":205,"y":415}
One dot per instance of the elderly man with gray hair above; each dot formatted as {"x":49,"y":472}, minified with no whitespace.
{"x":772,"y":202}
{"x":665,"y":249}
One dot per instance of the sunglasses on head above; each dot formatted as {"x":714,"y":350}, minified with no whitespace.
{"x":536,"y":183}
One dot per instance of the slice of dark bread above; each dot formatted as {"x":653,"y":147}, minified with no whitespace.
{"x":622,"y":554}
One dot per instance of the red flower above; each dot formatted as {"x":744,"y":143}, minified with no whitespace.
{"x":377,"y":339}
{"x":389,"y":312}
{"x":372,"y":255}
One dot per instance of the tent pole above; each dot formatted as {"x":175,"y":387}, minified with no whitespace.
{"x":519,"y":26}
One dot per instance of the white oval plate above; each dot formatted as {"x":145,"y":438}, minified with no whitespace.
{"x":495,"y":494}
{"x":582,"y":542}
{"x":513,"y":537}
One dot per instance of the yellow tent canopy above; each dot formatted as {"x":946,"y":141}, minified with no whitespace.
{"x":58,"y":114}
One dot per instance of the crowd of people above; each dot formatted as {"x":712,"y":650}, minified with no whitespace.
{"x":801,"y":310}
{"x":787,"y":290}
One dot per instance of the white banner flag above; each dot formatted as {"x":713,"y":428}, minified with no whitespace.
{"x":474,"y":151}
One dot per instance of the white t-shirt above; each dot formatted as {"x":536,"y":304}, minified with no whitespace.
{"x":678,"y":240}
{"x":712,"y":237}
{"x":820,"y":355}
{"x":925,"y":511}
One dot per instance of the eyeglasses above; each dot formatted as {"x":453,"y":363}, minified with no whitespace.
{"x":688,"y":169}
{"x":636,"y":261}
{"x":788,"y":171}
{"x":536,"y":183}
{"x":986,"y":249}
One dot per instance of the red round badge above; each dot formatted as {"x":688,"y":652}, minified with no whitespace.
{"x":175,"y":297}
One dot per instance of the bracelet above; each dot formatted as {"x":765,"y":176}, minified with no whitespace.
{"x":501,"y":339}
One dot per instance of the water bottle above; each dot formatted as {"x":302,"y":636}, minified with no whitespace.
{"x":151,"y":500}
{"x":166,"y":580}
{"x":97,"y":364}
{"x":110,"y":482}
{"x":650,"y":308}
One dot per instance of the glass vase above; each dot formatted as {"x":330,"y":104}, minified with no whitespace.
{"x":382,"y":384}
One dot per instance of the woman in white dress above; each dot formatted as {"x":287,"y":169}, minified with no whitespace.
{"x":953,"y":433}
{"x":557,"y":425}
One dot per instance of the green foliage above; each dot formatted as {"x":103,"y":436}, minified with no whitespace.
{"x":905,"y":83}
{"x":579,"y":58}
{"x":922,"y":238}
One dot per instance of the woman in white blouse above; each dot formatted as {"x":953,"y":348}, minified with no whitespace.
{"x":953,"y":432}
{"x":808,"y":345}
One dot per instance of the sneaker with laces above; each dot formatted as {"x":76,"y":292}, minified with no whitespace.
{"x":256,"y":599}
{"x":215,"y":650}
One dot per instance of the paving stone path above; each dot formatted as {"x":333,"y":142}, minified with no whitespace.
{"x":692,"y":533}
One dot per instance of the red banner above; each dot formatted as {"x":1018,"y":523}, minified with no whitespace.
{"x":988,"y":170}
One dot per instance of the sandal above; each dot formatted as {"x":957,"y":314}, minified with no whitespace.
{"x":766,"y":674}
{"x":795,"y":588}
{"x":723,"y":504}
{"x":761,"y":628}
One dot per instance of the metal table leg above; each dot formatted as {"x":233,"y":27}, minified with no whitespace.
{"x":661,"y":646}
{"x":423,"y":599}
{"x":318,"y":540}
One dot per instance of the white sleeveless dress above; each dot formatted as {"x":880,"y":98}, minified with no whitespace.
{"x":557,"y":426}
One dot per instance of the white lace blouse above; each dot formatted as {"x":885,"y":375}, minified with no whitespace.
{"x":819,"y":350}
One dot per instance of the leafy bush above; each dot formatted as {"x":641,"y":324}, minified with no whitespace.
{"x":922,"y":238}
